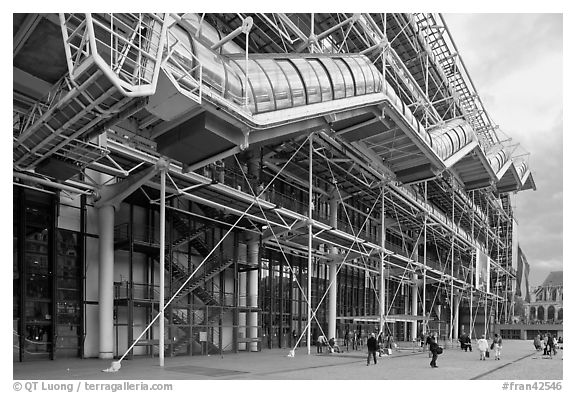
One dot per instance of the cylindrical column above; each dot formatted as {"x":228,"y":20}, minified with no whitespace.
{"x":382,"y":256}
{"x":253,"y":249}
{"x":106,"y":281}
{"x":333,"y":292}
{"x":406,"y":309}
{"x":242,"y":285}
{"x":162,"y":267}
{"x":252,"y":294}
{"x":455,"y":315}
{"x":414,"y":332}
{"x":425,"y":258}
{"x":452,"y":324}
{"x":309,"y":280}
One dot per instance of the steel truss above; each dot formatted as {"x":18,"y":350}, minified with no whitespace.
{"x":418,"y":58}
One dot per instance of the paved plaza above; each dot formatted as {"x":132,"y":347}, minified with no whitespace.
{"x":519,"y":362}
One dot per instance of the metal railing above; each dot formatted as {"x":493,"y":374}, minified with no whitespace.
{"x":126,"y":47}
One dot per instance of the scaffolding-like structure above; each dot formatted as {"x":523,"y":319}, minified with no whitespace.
{"x":340,"y":170}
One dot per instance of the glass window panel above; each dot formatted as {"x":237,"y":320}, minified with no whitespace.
{"x":238,"y":70}
{"x":296,"y":85}
{"x":180,"y":40}
{"x":348,"y":79}
{"x":280,"y":85}
{"x":366,"y":68}
{"x":260,"y":86}
{"x":38,"y":311}
{"x":325,"y":84}
{"x":359,"y":78}
{"x":234,"y":85}
{"x":310,"y":80}
{"x":335,"y":76}
{"x":213,"y":69}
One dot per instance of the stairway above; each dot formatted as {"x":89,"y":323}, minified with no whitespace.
{"x":212,"y":266}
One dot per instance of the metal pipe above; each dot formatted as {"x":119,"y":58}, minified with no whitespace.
{"x":162,"y":246}
{"x":382,"y":257}
{"x":279,"y":30}
{"x":309,"y":289}
{"x":315,"y":38}
{"x":425,"y":255}
{"x":53,"y":184}
{"x":333,"y":269}
{"x":452,"y":311}
{"x":284,"y":18}
{"x":244,"y":28}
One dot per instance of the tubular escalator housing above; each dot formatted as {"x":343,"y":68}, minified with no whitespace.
{"x":451,"y":137}
{"x":521,"y":168}
{"x":283,"y":89}
{"x":498,"y":159}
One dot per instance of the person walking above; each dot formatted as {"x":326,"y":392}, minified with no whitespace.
{"x":433,"y":346}
{"x":497,"y":344}
{"x":549,"y":345}
{"x":483,"y":347}
{"x":427,"y":344}
{"x":360,"y":340}
{"x":554,"y":345}
{"x":347,"y":339}
{"x":320,"y":343}
{"x":372,"y":346}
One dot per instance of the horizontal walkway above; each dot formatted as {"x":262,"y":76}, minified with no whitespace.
{"x":519,"y":362}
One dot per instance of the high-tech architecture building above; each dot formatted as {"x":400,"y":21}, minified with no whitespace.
{"x":189,"y":184}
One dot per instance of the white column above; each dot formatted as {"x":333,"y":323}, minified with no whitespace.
{"x":162,"y":267}
{"x":253,"y":249}
{"x":309,"y":279}
{"x":106,"y":282}
{"x":414,"y":306}
{"x":333,"y":268}
{"x":242,"y":257}
{"x":382,"y":256}
{"x":406,"y":310}
{"x":455,"y":313}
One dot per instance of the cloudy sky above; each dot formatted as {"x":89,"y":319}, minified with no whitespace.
{"x":515,"y":61}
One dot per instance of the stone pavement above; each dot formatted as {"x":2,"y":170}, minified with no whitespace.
{"x":519,"y":362}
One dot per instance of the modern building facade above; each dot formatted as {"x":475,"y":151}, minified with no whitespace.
{"x":188,"y":184}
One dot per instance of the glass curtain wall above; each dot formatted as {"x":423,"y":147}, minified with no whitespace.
{"x":47,"y":280}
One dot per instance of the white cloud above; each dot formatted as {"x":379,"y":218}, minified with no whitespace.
{"x":516,"y":65}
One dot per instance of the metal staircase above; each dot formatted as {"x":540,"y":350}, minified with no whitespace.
{"x":179,"y":274}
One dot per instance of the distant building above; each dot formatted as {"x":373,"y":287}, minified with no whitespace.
{"x":543,"y":311}
{"x":546,"y":301}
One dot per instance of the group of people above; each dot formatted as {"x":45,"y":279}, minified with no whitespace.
{"x":321,"y":342}
{"x":482,"y":344}
{"x":483,"y":347}
{"x":547,"y":343}
{"x":374,"y":345}
{"x":355,"y":339}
